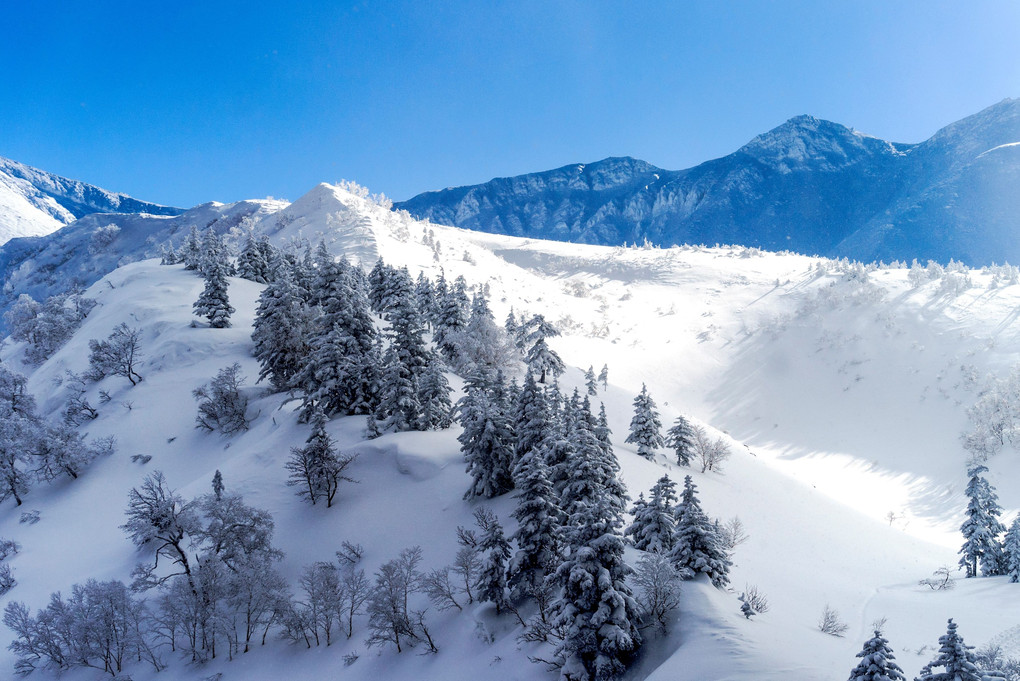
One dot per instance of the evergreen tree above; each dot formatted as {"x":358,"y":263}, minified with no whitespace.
{"x":487,"y":439}
{"x":697,"y":545}
{"x":645,"y":427}
{"x":496,"y":549}
{"x":981,"y":529}
{"x":537,"y":536}
{"x":955,"y":657}
{"x":213,"y":303}
{"x":654,"y":524}
{"x":434,"y":396}
{"x":680,"y":438}
{"x":512,"y":328}
{"x":589,"y":381}
{"x":191,"y":251}
{"x":251,"y":262}
{"x":531,"y":419}
{"x":282,"y":324}
{"x":877,"y":662}
{"x":1011,"y":551}
{"x":168,"y":256}
{"x":544,"y":361}
{"x":407,"y":361}
{"x":604,"y":377}
{"x":425,"y":298}
{"x":215,"y":254}
{"x":452,"y":318}
{"x":602,"y":434}
{"x":217,"y":485}
{"x":596,"y":611}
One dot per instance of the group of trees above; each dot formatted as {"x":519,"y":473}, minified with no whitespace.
{"x":46,"y":326}
{"x":988,"y":548}
{"x":955,"y":661}
{"x":681,"y":531}
{"x":34,"y":450}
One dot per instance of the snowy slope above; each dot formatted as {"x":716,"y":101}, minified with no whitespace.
{"x":34,"y":202}
{"x":844,"y":393}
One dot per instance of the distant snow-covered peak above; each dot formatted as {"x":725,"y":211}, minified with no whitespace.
{"x":34,"y":202}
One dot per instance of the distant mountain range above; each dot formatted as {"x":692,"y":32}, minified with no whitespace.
{"x":34,"y":202}
{"x":809,"y":185}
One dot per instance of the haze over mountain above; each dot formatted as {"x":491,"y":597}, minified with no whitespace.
{"x":34,"y":202}
{"x":810,"y":186}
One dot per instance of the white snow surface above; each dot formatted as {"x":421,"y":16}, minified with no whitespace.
{"x":842,"y":397}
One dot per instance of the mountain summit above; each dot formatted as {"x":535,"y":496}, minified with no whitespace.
{"x":808,"y":185}
{"x":34,"y":202}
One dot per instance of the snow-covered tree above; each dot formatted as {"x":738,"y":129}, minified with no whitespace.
{"x":118,"y":355}
{"x":604,"y":377}
{"x":955,"y":657}
{"x":981,"y":529}
{"x":434,"y":395}
{"x":590,"y":382}
{"x":191,"y":251}
{"x":680,"y":438}
{"x":657,"y":588}
{"x":877,"y":662}
{"x":221,"y":406}
{"x":61,"y":450}
{"x":596,"y":611}
{"x":645,"y":426}
{"x":1011,"y":551}
{"x":697,"y":546}
{"x":487,"y":440}
{"x":495,"y":550}
{"x":538,"y":535}
{"x":654,"y":524}
{"x":318,"y":468}
{"x":481,"y":344}
{"x":214,"y":302}
{"x":252,"y":263}
{"x":454,"y":307}
{"x":280,"y":332}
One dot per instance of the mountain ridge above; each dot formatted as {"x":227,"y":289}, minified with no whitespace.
{"x":808,"y":185}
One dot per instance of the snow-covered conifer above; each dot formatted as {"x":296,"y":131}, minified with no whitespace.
{"x":981,"y":529}
{"x":191,"y":251}
{"x":487,"y":439}
{"x":537,"y":536}
{"x":654,"y":524}
{"x":876,"y":661}
{"x":590,"y":383}
{"x":434,"y":395}
{"x":955,"y":657}
{"x":697,"y":546}
{"x":495,"y":551}
{"x":221,"y":406}
{"x":680,"y":438}
{"x":1011,"y":551}
{"x":645,"y":426}
{"x":251,"y":262}
{"x":214,"y":303}
{"x":280,"y":331}
{"x":604,"y":377}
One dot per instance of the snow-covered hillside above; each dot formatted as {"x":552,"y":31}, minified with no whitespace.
{"x":842,"y":391}
{"x":34,"y":202}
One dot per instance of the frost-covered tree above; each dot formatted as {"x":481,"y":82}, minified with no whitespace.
{"x":657,"y":589}
{"x":1011,"y":551}
{"x":596,"y":611}
{"x":280,"y":332}
{"x":14,"y":395}
{"x":590,"y":382}
{"x":680,"y":438}
{"x":532,"y":418}
{"x":538,"y":534}
{"x":18,"y":435}
{"x":481,"y":344}
{"x":981,"y":529}
{"x":654,"y":524}
{"x":61,"y":450}
{"x":221,"y":406}
{"x":191,"y":251}
{"x":434,"y":395}
{"x":495,"y":550}
{"x":214,"y":302}
{"x":118,"y":355}
{"x":47,"y":326}
{"x":487,"y":440}
{"x":697,"y":545}
{"x":252,"y":263}
{"x":955,"y":657}
{"x":318,"y":468}
{"x":604,"y":377}
{"x":215,"y":254}
{"x":645,"y":426}
{"x":877,"y":662}
{"x":390,"y":619}
{"x":160,"y":519}
{"x":454,"y":307}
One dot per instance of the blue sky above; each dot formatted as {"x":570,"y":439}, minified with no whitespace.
{"x":186,"y":102}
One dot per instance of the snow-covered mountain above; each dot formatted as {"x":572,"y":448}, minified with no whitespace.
{"x":34,"y":202}
{"x":809,"y":185}
{"x":841,"y":390}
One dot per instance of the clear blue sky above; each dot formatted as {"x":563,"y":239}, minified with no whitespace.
{"x":186,"y":102}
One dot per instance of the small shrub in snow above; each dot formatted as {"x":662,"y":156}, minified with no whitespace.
{"x":29,"y":518}
{"x":221,"y":406}
{"x":941,"y":579}
{"x":710,"y":453}
{"x":7,"y":581}
{"x":732,"y":533}
{"x":102,"y":237}
{"x":830,"y":623}
{"x":753,"y":601}
{"x":8,"y":548}
{"x":657,"y":590}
